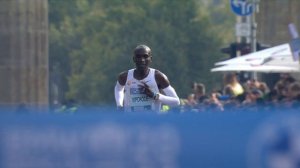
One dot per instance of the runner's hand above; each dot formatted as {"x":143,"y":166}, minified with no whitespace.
{"x":147,"y":90}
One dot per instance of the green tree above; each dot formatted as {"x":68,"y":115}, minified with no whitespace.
{"x":96,"y":39}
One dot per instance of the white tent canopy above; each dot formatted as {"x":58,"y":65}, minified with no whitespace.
{"x":263,"y":68}
{"x":276,"y":59}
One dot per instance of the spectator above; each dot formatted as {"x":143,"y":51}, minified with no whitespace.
{"x":232,"y":86}
{"x":190,"y":103}
{"x":68,"y":106}
{"x":293,"y":95}
{"x":254,"y":100}
{"x":214,"y":103}
{"x":264,"y":88}
{"x":199,"y":92}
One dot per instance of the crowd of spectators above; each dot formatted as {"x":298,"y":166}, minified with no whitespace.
{"x":252,"y":95}
{"x":234,"y":95}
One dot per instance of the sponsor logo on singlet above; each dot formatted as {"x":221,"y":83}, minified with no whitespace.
{"x":135,"y":91}
{"x":139,"y":98}
{"x":143,"y":98}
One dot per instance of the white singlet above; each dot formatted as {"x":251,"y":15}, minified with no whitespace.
{"x":135,"y":99}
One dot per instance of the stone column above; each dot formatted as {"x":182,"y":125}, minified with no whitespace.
{"x":24,"y":53}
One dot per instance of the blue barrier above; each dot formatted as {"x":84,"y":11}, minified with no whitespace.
{"x":111,"y":139}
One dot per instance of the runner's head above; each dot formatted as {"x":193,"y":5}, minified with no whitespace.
{"x":142,"y":50}
{"x":142,"y":56}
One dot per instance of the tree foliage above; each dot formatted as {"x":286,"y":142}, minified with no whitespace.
{"x":92,"y":42}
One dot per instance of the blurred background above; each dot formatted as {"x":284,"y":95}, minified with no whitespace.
{"x":56,"y":50}
{"x":57,"y":54}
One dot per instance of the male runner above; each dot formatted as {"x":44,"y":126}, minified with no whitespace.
{"x":139,"y":89}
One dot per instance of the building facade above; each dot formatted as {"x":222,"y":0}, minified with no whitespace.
{"x":272,"y":25}
{"x":273,"y":19}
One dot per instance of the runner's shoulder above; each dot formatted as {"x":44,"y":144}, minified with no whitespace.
{"x":161,"y":79}
{"x":122,"y":77}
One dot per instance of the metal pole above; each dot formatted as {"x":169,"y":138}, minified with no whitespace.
{"x":253,"y":30}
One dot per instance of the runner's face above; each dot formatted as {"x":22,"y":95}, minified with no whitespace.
{"x":142,"y":60}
